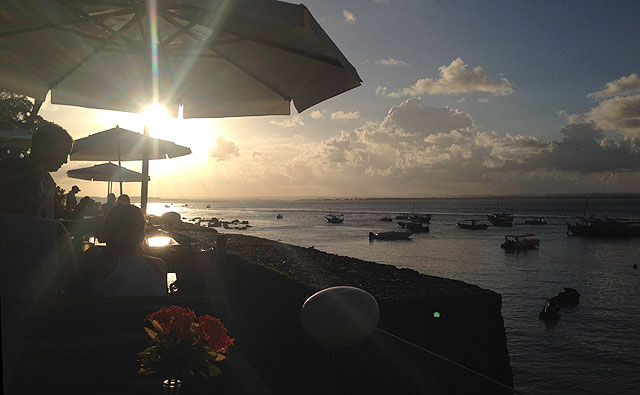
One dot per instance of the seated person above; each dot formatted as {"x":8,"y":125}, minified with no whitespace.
{"x":36,"y":258}
{"x":111,"y":201}
{"x":123,"y":270}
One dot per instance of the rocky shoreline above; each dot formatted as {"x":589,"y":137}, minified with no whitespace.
{"x":267,"y":282}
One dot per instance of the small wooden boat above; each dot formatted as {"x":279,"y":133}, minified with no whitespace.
{"x":519,"y":242}
{"x":472,"y":224}
{"x":402,"y":216}
{"x":386,"y":219}
{"x":415,"y":227}
{"x":394,"y":235}
{"x":334,"y":218}
{"x":279,"y":216}
{"x":535,"y":221}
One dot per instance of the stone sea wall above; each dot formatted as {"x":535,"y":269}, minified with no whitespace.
{"x":268,"y":282}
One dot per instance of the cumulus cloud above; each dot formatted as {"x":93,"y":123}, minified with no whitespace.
{"x":456,"y":79}
{"x":317,"y":114}
{"x":381,"y":91}
{"x":290,"y":122}
{"x":349,"y":17}
{"x":224,"y":149}
{"x":341,"y":115}
{"x":621,"y":113}
{"x":428,"y":146}
{"x":392,"y":62}
{"x":623,"y":86}
{"x":571,"y":118}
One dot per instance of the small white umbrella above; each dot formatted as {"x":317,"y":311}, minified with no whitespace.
{"x":106,"y":172}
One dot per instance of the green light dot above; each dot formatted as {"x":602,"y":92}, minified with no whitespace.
{"x":436,"y":314}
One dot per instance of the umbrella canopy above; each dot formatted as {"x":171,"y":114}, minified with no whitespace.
{"x":218,"y":58}
{"x":123,"y":145}
{"x":106,"y":172}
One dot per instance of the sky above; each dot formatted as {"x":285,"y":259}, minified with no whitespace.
{"x":458,"y":98}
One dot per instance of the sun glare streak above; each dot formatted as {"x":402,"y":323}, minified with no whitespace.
{"x":153,"y":32}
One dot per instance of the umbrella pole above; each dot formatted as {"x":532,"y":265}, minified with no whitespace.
{"x":120,"y":164}
{"x":144,"y":191}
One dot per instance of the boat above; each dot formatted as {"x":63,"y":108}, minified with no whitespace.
{"x":472,"y":225}
{"x":568,"y":297}
{"x":535,"y":221}
{"x":279,"y":216}
{"x":393,"y":235}
{"x":421,"y":218}
{"x":208,"y":206}
{"x":386,"y":219}
{"x":605,"y":227}
{"x":334,"y":218}
{"x":550,"y":312}
{"x":501,"y":219}
{"x":519,"y":242}
{"x":403,"y":216}
{"x":415,"y":227}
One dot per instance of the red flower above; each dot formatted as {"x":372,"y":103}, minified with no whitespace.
{"x":174,"y":320}
{"x":212,"y":332}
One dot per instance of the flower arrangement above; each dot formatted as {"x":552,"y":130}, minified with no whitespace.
{"x":183,"y":344}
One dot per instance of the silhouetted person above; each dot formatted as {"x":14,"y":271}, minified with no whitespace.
{"x":122,"y":270}
{"x":37,"y":261}
{"x":50,"y":148}
{"x":71,"y":202}
{"x":124,"y":198}
{"x":111,"y":201}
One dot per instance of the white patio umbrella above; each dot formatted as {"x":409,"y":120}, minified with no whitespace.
{"x":217,"y":58}
{"x":123,"y":145}
{"x":108,"y":172}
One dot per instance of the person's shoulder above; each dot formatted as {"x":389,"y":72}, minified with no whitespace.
{"x":157,"y":264}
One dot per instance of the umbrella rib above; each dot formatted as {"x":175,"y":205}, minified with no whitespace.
{"x":175,"y":35}
{"x":95,"y":51}
{"x":66,"y":22}
{"x":101,"y":25}
{"x":165,"y":15}
{"x":254,"y":76}
{"x":296,"y":51}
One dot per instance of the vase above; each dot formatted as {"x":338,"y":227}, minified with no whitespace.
{"x":171,"y":386}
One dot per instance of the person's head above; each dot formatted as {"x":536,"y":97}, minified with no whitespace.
{"x":50,"y":146}
{"x":111,"y":198}
{"x":124,"y":199}
{"x":124,"y":227}
{"x":75,"y":189}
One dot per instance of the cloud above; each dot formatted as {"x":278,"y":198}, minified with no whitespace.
{"x":317,"y":114}
{"x":571,"y":118}
{"x":621,"y":113}
{"x":623,"y":86}
{"x":290,"y":122}
{"x":224,"y":150}
{"x":341,"y":115}
{"x":439,"y":148}
{"x":392,"y":62}
{"x":381,"y":91}
{"x":483,"y":100}
{"x":456,"y":79}
{"x":349,"y":17}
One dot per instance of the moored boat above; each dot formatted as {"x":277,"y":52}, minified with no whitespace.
{"x":472,"y":224}
{"x":393,"y":235}
{"x":415,"y":227}
{"x":535,"y":221}
{"x":605,"y":227}
{"x":334,"y":218}
{"x":386,"y":218}
{"x":519,"y":242}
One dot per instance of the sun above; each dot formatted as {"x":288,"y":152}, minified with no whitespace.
{"x":157,"y":119}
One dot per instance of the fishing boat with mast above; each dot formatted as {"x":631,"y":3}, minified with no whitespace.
{"x":604,"y":227}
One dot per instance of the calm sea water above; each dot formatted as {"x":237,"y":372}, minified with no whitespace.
{"x":592,"y":349}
